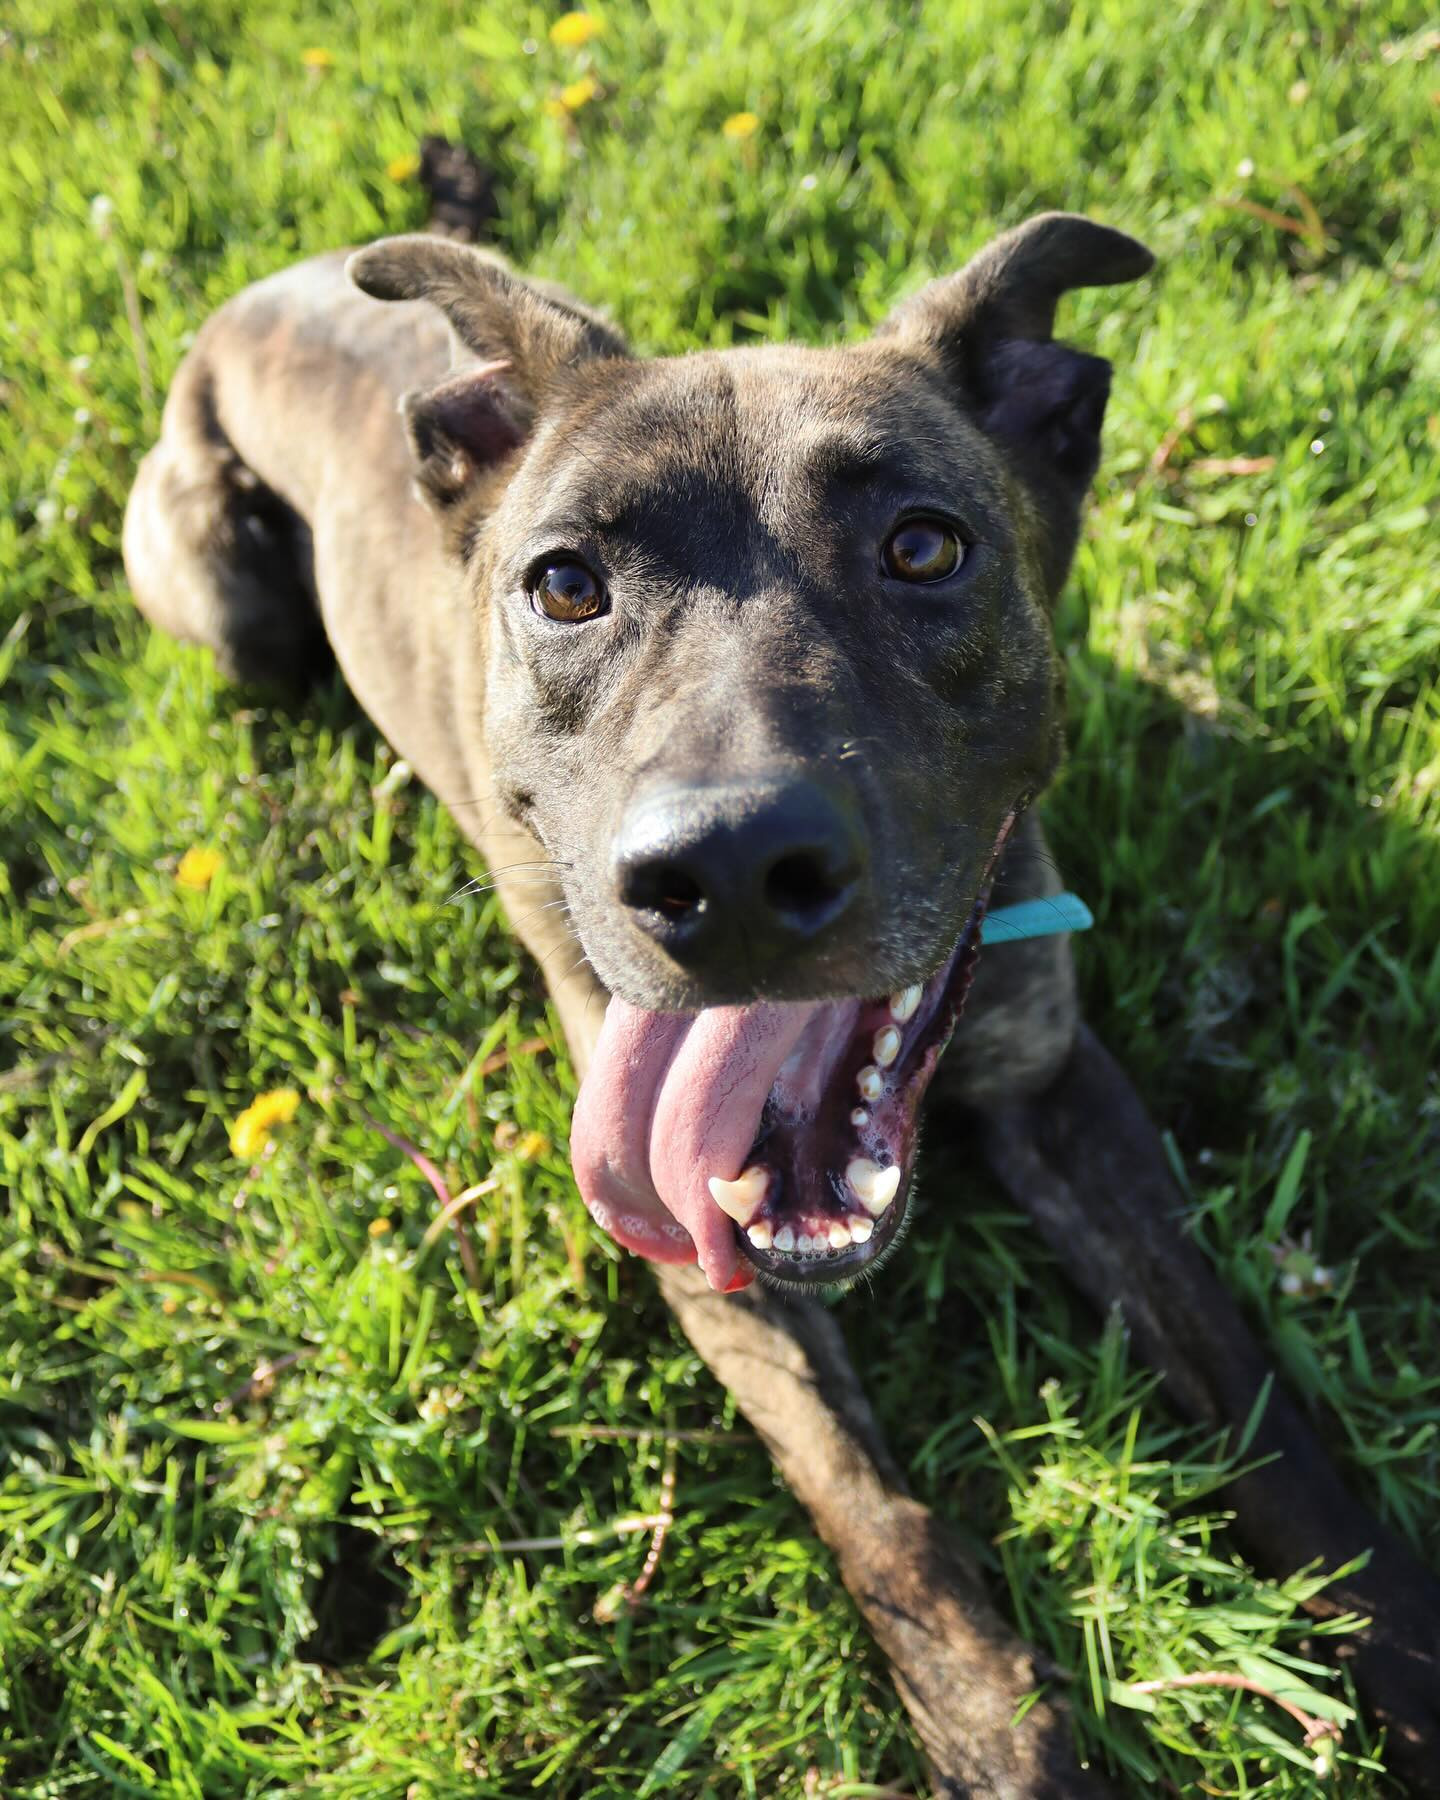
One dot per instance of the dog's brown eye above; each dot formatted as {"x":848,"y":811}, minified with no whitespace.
{"x":569,"y":592}
{"x":922,"y":550}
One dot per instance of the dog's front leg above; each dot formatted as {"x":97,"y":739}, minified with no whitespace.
{"x":959,"y":1668}
{"x":960,"y":1671}
{"x":1085,"y":1162}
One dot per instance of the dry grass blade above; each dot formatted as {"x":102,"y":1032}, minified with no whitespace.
{"x":451,"y":1209}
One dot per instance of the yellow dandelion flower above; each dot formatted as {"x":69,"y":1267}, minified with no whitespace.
{"x":532,"y":1144}
{"x":579,"y":93}
{"x":741,"y":125}
{"x":379,"y":1228}
{"x":317,"y":59}
{"x":572,"y":30}
{"x":199,"y":867}
{"x":251,"y":1131}
{"x":403,"y":168}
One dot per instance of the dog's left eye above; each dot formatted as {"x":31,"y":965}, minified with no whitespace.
{"x":568,"y":591}
{"x":922,"y":550}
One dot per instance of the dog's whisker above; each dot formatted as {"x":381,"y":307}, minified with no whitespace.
{"x":535,"y":869}
{"x":534,"y":913}
{"x":581,"y":962}
{"x":520,"y":870}
{"x":482,"y":886}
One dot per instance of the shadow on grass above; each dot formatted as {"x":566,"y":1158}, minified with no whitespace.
{"x":1274,"y":998}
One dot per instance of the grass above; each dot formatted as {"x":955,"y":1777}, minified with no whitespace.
{"x":259,"y":1440}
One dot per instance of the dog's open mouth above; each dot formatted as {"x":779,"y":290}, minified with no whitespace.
{"x":777,"y":1138}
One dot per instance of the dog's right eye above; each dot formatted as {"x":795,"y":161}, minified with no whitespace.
{"x":922,"y":549}
{"x":569,"y":592}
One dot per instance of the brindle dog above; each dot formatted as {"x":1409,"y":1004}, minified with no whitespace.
{"x":749,"y":654}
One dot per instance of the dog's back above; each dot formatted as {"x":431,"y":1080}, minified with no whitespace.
{"x":274,"y":518}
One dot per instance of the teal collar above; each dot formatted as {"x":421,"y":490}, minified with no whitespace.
{"x":1036,"y":918}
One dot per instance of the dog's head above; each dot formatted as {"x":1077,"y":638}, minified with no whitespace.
{"x":770,"y":674}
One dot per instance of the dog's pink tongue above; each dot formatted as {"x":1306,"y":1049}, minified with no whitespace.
{"x":670,"y":1100}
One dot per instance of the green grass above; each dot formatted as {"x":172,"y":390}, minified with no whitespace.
{"x":213,"y":1584}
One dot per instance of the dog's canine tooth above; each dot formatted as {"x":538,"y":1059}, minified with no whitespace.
{"x":759,"y":1235}
{"x":870,"y":1083}
{"x":904,"y":1004}
{"x":859,"y":1117}
{"x":839,"y":1236}
{"x":886,"y":1046}
{"x":873,"y":1186}
{"x":743,"y":1197}
{"x":784,"y":1238}
{"x":860,"y":1228}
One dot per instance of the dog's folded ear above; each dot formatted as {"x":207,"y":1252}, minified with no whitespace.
{"x":514,"y":343}
{"x":498,"y":317}
{"x":467,"y":424}
{"x":990,"y":328}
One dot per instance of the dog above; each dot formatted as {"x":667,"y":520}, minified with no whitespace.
{"x":738,"y":670}
{"x":748,"y":653}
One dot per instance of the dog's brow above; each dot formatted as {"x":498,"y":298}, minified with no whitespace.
{"x":846,"y":458}
{"x":556,"y":533}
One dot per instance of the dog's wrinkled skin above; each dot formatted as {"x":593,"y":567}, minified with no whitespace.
{"x":734,"y":504}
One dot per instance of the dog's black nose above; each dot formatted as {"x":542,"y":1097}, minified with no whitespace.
{"x":738,"y":876}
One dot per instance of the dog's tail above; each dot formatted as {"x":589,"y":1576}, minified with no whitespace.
{"x":460,"y":188}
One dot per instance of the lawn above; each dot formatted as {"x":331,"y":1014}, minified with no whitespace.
{"x":262,"y":1440}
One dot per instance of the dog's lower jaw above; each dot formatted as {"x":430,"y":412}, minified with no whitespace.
{"x":767,"y":1139}
{"x":821,"y":1213}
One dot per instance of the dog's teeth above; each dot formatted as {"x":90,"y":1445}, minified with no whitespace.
{"x":886,"y":1046}
{"x":743,"y":1197}
{"x":860,"y":1229}
{"x":859,"y":1117}
{"x":870,"y":1082}
{"x":805,"y":1243}
{"x":904,"y":1004}
{"x":759,"y":1235}
{"x":839,"y":1236}
{"x":873,"y":1186}
{"x":784,"y":1238}
{"x":887,"y":1186}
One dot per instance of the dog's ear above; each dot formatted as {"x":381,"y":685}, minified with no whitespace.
{"x":990,"y":328}
{"x":466,"y":425}
{"x":513,"y":346}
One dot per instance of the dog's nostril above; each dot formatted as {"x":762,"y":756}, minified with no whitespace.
{"x":749,"y":872}
{"x":680,"y":894}
{"x":800,"y":883}
{"x":664,"y":888}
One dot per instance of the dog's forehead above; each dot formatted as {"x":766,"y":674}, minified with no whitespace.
{"x":763,"y":422}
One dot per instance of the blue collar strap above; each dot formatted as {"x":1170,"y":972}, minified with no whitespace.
{"x":1036,"y":918}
